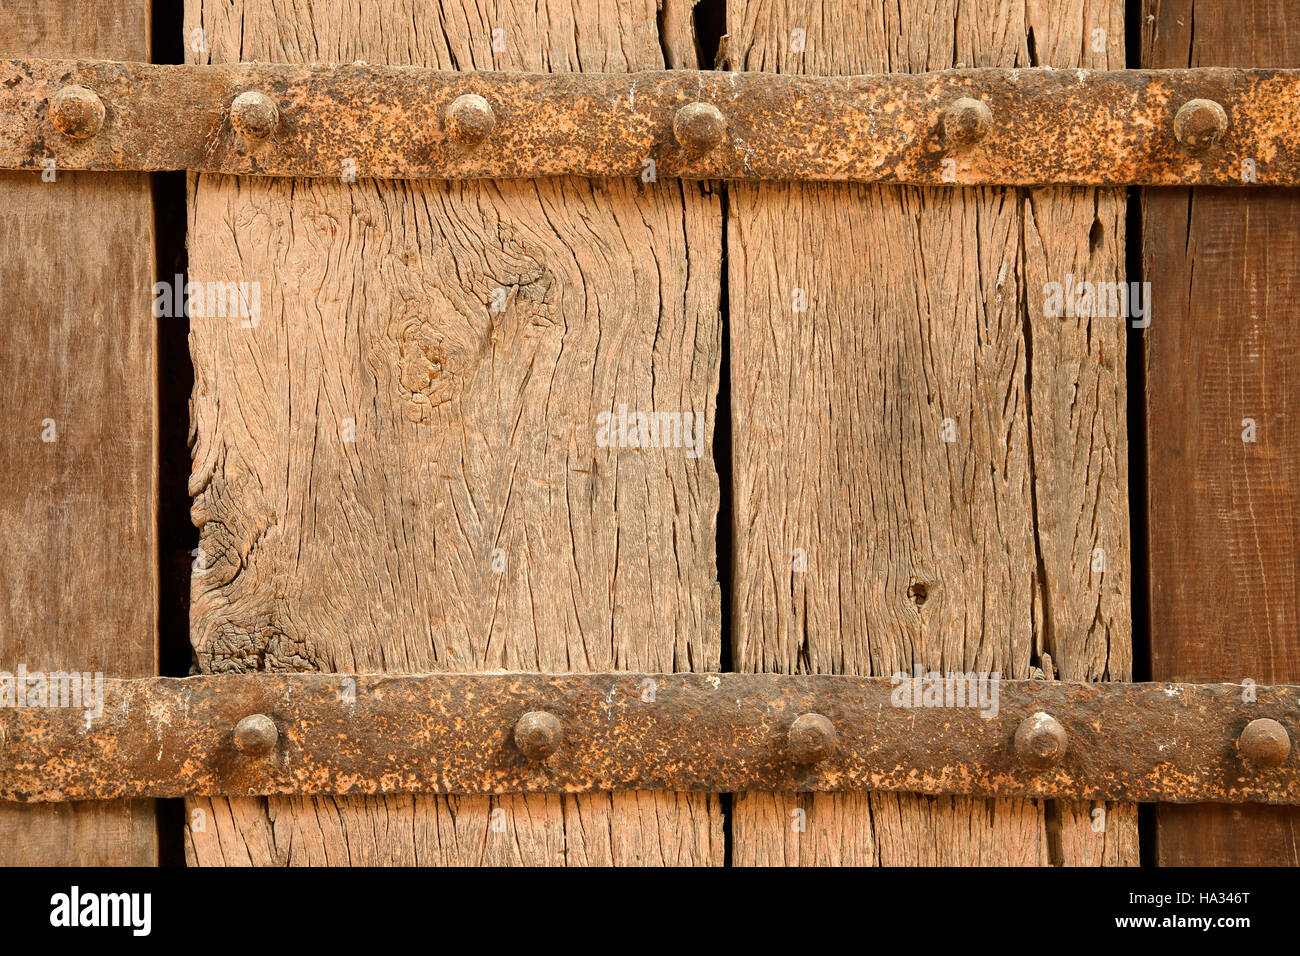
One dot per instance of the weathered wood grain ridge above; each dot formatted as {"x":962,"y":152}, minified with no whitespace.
{"x":78,"y":455}
{"x":1044,"y":126}
{"x":397,"y":465}
{"x":718,"y":733}
{"x":927,"y":468}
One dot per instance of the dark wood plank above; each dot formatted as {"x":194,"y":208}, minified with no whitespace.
{"x":1224,"y":267}
{"x":78,"y":544}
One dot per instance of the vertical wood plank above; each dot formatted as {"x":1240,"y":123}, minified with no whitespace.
{"x":78,"y":544}
{"x":1223,"y":426}
{"x":926,"y":465}
{"x":400,"y":467}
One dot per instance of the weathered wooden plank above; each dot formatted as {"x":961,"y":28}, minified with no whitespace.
{"x":925,"y":464}
{"x":1223,"y":441}
{"x":400,"y":465}
{"x":680,"y":45}
{"x":78,"y":543}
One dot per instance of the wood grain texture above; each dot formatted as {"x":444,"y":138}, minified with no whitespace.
{"x":78,"y":515}
{"x":1224,"y":512}
{"x":475,"y":522}
{"x":108,"y":31}
{"x":865,"y":541}
{"x":681,"y":48}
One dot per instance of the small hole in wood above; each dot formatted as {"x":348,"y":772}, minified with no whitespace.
{"x":1095,"y":235}
{"x":918,"y":593}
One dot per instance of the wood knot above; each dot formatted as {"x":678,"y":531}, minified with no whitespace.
{"x":252,"y":646}
{"x":428,"y":366}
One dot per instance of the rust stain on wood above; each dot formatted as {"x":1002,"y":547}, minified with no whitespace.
{"x":456,"y":733}
{"x":1042,"y":126}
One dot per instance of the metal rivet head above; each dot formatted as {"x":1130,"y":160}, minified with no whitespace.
{"x":966,"y":121}
{"x":537,"y":734}
{"x":77,"y":112}
{"x":254,"y":115}
{"x":1265,"y":743}
{"x":699,"y":127}
{"x":256,"y":735}
{"x":1041,"y":740}
{"x":1199,"y":124}
{"x":470,"y":119}
{"x":812,"y":738}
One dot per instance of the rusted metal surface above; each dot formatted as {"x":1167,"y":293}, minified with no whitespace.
{"x":499,"y":733}
{"x":1040,"y":126}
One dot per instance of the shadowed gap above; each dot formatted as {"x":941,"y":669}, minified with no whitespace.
{"x":177,"y":536}
{"x":710,"y":22}
{"x":1136,"y":382}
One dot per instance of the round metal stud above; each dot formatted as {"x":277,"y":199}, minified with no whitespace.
{"x":470,"y":119}
{"x":256,"y":735}
{"x":254,"y":115}
{"x":537,"y":734}
{"x":966,"y":121}
{"x":1265,"y":743}
{"x":812,"y":738}
{"x":1041,"y":740}
{"x":1199,"y":124}
{"x":699,"y":127}
{"x":77,"y":112}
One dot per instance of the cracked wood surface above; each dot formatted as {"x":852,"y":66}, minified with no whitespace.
{"x":474,"y":523}
{"x":78,"y":539}
{"x":1224,"y":518}
{"x":864,"y":542}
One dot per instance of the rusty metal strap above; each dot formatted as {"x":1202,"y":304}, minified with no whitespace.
{"x":964,"y":127}
{"x":503,"y":733}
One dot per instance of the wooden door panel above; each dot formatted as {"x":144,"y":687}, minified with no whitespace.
{"x":78,"y":456}
{"x":926,"y":467}
{"x":400,"y":467}
{"x":1222,"y":440}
